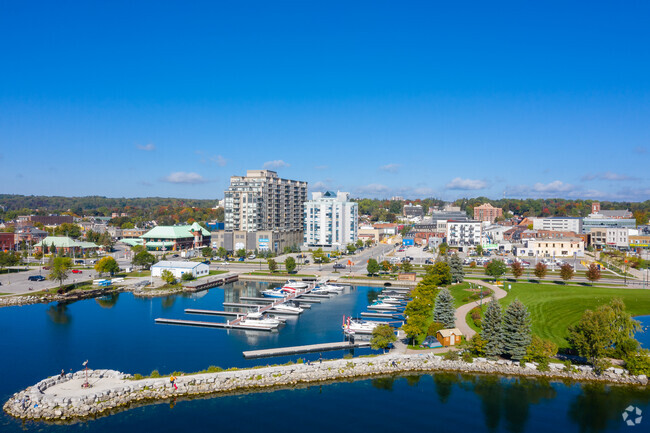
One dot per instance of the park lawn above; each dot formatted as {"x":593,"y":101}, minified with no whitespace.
{"x":461,"y":292}
{"x":3,"y":294}
{"x":217,"y":272}
{"x":553,"y":308}
{"x":140,"y":274}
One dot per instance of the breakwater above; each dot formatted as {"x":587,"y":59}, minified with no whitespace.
{"x":62,"y":398}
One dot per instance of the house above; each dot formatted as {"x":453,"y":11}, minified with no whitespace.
{"x":449,"y":337}
{"x":178,"y":268}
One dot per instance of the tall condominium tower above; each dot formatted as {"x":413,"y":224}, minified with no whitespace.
{"x":262,"y":201}
{"x":331,"y":220}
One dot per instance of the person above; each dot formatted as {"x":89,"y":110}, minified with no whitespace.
{"x":320,"y":358}
{"x":62,"y":373}
{"x":394,"y":364}
{"x":172,"y":379}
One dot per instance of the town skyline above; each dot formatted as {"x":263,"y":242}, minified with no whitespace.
{"x":437,"y":101}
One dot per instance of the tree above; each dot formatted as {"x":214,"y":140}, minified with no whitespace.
{"x":359,"y":243}
{"x":495,"y":269}
{"x":8,"y":258}
{"x":492,"y":331}
{"x":290,"y":264}
{"x":440,"y":274}
{"x":167,"y":276}
{"x":107,"y":264}
{"x":68,"y":229}
{"x":566,"y":272}
{"x":144,"y":259}
{"x":406,"y":266}
{"x":456,"y":269}
{"x":368,"y":243}
{"x":516,"y":330}
{"x":540,"y":270}
{"x":444,"y":311}
{"x":241,"y":253}
{"x":540,"y":349}
{"x":60,"y":269}
{"x":320,"y":256}
{"x":351,"y":248}
{"x":273,"y":265}
{"x":382,"y":337}
{"x":479,"y":250}
{"x":593,"y":273}
{"x":414,"y":327}
{"x":517,"y":269}
{"x":443,"y":248}
{"x":372,"y":267}
{"x":385,"y":266}
{"x":137,"y":249}
{"x":207,"y":252}
{"x":222,"y":252}
{"x":187,"y":276}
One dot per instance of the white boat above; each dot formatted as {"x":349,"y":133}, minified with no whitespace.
{"x":357,"y":326}
{"x":296,"y":285}
{"x":287,"y":308}
{"x":333,"y":288}
{"x":258,"y":320}
{"x":379,"y":305}
{"x":274,"y":293}
{"x":390,"y":300}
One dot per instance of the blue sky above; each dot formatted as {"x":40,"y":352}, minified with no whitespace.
{"x":378,"y":98}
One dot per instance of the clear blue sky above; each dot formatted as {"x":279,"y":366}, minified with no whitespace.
{"x":378,"y":98}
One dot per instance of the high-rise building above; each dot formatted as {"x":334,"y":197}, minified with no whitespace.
{"x":331,"y":220}
{"x":263,"y":201}
{"x":487,"y":212}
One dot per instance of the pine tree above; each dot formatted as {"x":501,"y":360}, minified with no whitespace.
{"x":491,"y":330}
{"x":516,"y":330}
{"x":456,"y":267}
{"x":444,"y":311}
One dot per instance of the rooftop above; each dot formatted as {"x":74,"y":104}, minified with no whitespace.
{"x":177,"y":264}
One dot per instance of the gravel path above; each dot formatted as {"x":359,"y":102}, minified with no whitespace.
{"x":461,"y":312}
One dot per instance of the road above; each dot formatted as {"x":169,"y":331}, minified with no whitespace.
{"x":461,"y":312}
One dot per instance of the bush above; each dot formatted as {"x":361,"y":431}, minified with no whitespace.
{"x":540,"y":349}
{"x":187,"y":277}
{"x":467,"y":356}
{"x":639,"y":363}
{"x":542,"y":365}
{"x":434,"y":328}
{"x":600,"y":365}
{"x":154,"y":374}
{"x":452,"y":355}
{"x":477,"y":345}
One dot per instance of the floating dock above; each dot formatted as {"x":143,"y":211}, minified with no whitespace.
{"x":379,"y":315}
{"x":209,"y":324}
{"x":295,"y":350}
{"x":214,"y":312}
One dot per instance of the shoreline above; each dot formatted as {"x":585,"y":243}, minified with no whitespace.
{"x":62,"y":399}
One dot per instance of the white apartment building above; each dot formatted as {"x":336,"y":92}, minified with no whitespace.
{"x":263,"y":201}
{"x":559,"y":247}
{"x":463,"y":234}
{"x":618,"y":237}
{"x":560,"y":224}
{"x":331,"y":220}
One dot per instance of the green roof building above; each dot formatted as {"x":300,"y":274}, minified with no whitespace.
{"x":65,"y":243}
{"x":175,"y":238}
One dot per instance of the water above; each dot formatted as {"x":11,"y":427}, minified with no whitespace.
{"x":120,"y":333}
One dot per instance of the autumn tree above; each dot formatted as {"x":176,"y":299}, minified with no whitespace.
{"x":540,"y":270}
{"x":593,"y":273}
{"x":107,"y":264}
{"x":566,"y":272}
{"x":517,"y":269}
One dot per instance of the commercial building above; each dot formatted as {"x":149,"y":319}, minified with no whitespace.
{"x":487,"y":212}
{"x":618,"y":237}
{"x":331,"y":220}
{"x":263,"y":201}
{"x":603,"y":223}
{"x":413,"y":210}
{"x":64,"y":244}
{"x":261,"y":240}
{"x":177,"y":268}
{"x":567,"y":247}
{"x":639,"y":241}
{"x":558,"y":224}
{"x":463,"y":235}
{"x":175,"y":238}
{"x":7,"y":241}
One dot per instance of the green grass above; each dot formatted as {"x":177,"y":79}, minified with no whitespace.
{"x":553,"y":308}
{"x":461,"y":292}
{"x":140,"y":274}
{"x":217,"y":272}
{"x":2,"y":294}
{"x":279,"y":274}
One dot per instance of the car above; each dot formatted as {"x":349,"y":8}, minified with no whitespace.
{"x":207,"y":262}
{"x":46,"y":267}
{"x":79,"y":262}
{"x":429,"y":262}
{"x":306,"y":261}
{"x":339,"y":266}
{"x":241,"y":259}
{"x":175,"y":255}
{"x":224,"y":263}
{"x":77,"y":271}
{"x":36,"y":278}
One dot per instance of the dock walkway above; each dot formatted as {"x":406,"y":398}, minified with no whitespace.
{"x":295,"y":350}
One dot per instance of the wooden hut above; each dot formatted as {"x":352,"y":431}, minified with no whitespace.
{"x":449,"y":337}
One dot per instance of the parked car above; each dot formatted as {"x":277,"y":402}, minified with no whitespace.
{"x":175,"y":255}
{"x":430,"y":262}
{"x":77,"y":271}
{"x":241,"y":259}
{"x":339,"y":266}
{"x":36,"y":278}
{"x":46,"y":267}
{"x":79,"y":262}
{"x":207,"y":262}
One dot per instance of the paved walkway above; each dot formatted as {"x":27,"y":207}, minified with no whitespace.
{"x":461,"y":312}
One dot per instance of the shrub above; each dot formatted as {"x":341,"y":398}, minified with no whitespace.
{"x":452,"y":355}
{"x":467,"y":356}
{"x":639,"y":363}
{"x":542,"y":365}
{"x":138,"y":376}
{"x":187,"y":277}
{"x":600,"y":365}
{"x":477,"y":345}
{"x":347,"y":356}
{"x":434,"y":328}
{"x":540,"y":349}
{"x":214,"y":369}
{"x":154,"y":374}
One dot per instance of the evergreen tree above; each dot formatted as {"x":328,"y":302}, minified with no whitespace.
{"x":516,"y":330}
{"x":491,"y":330}
{"x":456,"y":268}
{"x":444,"y":311}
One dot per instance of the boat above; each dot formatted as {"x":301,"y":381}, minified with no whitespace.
{"x":286,"y":307}
{"x":274,"y":293}
{"x":379,"y":305}
{"x":389,"y":300}
{"x":258,"y":320}
{"x":295,"y":285}
{"x":358,"y":326}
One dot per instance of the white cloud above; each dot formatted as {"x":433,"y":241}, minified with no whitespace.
{"x":185,"y":177}
{"x":319,"y":186}
{"x":608,"y":175}
{"x":278,"y":163}
{"x":372,"y":189}
{"x":553,"y":187}
{"x":219,"y":160}
{"x":390,"y":168}
{"x":466,"y":184}
{"x":147,"y":147}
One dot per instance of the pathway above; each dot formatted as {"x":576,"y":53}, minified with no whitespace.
{"x":461,"y":312}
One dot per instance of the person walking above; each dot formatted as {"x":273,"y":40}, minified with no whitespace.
{"x":320,"y":358}
{"x":172,"y":379}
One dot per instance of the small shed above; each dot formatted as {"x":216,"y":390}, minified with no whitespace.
{"x":449,"y":337}
{"x":406,"y":276}
{"x":178,"y":268}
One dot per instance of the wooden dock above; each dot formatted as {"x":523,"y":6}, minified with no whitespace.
{"x":379,"y":315}
{"x":295,"y":350}
{"x":209,"y":324}
{"x":214,"y":312}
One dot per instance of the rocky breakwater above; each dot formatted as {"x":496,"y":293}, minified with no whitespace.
{"x":64,"y":398}
{"x":11,"y":301}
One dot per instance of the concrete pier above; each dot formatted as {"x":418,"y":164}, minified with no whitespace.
{"x":295,"y":350}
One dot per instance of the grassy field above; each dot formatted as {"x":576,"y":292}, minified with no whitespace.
{"x":554,"y":308}
{"x":218,"y":272}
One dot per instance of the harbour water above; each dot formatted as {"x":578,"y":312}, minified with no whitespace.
{"x":119,"y":333}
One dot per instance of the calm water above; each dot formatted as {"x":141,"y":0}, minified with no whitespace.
{"x":120,"y":333}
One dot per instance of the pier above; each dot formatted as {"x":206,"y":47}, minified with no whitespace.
{"x":210,"y":324}
{"x":380,"y":315}
{"x":295,"y":350}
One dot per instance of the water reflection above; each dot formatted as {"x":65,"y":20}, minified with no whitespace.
{"x":108,"y":301}
{"x":168,"y":302}
{"x":444,"y":384}
{"x":384,"y":383}
{"x":372,"y":295}
{"x":58,"y":313}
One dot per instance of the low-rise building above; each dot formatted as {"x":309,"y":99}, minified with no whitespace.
{"x":178,"y":268}
{"x":565,"y":247}
{"x":413,"y":211}
{"x":639,"y":241}
{"x":449,"y":337}
{"x":463,"y":235}
{"x":487,"y":212}
{"x":176,"y":238}
{"x":558,"y":224}
{"x":7,"y":241}
{"x":262,"y":240}
{"x":65,"y":244}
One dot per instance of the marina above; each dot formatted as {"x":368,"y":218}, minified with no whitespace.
{"x":311,"y":348}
